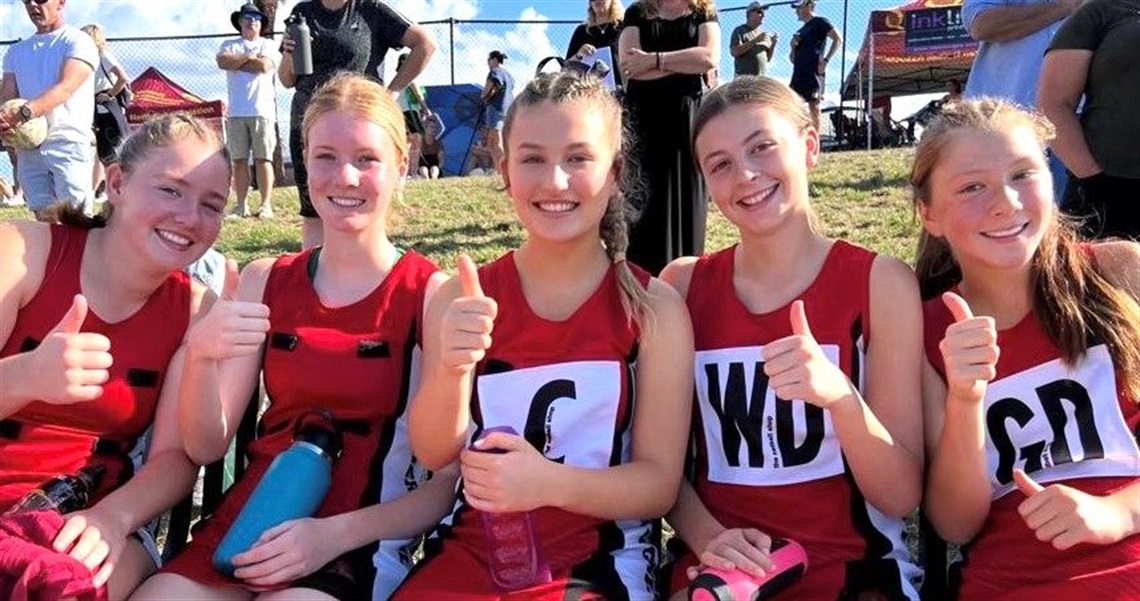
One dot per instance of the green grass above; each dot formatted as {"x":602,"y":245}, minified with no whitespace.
{"x":860,"y":196}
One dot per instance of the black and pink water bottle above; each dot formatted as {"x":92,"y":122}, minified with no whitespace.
{"x":789,"y":562}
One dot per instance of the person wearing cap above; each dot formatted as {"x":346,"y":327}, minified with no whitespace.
{"x":809,"y":62}
{"x":250,"y":62}
{"x":751,"y":46}
{"x":497,"y":95}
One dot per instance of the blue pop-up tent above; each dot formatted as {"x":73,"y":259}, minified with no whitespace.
{"x":459,"y":107}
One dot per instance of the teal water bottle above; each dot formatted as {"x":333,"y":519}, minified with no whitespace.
{"x":293,"y":487}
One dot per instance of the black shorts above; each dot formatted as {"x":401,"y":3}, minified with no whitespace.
{"x":413,"y":122}
{"x":108,"y":134}
{"x":808,"y":86}
{"x":429,"y":160}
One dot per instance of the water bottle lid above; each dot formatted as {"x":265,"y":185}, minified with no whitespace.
{"x":319,"y":428}
{"x":92,"y":475}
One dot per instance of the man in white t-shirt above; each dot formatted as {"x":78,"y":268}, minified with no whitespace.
{"x":250,"y":63}
{"x":54,"y":71}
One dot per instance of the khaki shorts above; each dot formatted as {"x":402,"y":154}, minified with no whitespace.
{"x":244,"y":134}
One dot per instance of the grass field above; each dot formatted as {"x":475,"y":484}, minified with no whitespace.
{"x":861,"y":196}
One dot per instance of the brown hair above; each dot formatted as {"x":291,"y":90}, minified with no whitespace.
{"x":569,"y":86}
{"x":705,"y":8}
{"x":747,"y":90}
{"x":1076,"y":306}
{"x":160,"y":132}
{"x":613,"y":15}
{"x":361,"y":96}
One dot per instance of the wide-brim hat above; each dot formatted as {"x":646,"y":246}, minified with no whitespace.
{"x":248,"y":9}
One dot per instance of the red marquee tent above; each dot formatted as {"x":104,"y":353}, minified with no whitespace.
{"x":913,"y":49}
{"x":155,"y":94}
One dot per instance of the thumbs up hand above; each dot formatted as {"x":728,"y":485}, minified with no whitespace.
{"x":465,"y":330}
{"x":1064,"y":516}
{"x":969,"y":351}
{"x":231,"y":328}
{"x":71,"y":366}
{"x":797,"y":368}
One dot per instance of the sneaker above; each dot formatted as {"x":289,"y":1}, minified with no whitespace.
{"x":16,"y":200}
{"x":239,"y":212}
{"x":266,"y":212}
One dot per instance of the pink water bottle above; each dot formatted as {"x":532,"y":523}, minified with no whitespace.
{"x":789,"y":562}
{"x":514,"y":557}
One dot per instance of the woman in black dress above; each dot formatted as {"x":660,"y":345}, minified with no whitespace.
{"x":601,"y":30}
{"x":667,"y":49}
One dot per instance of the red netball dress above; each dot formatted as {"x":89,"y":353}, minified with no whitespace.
{"x":356,"y":362}
{"x":42,"y":440}
{"x":566,"y":387}
{"x":1061,"y":425}
{"x":775,"y":464}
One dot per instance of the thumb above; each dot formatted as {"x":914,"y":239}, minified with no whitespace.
{"x":800,"y":325}
{"x":73,"y":319}
{"x":468,"y":277}
{"x":500,"y":441}
{"x":1028,"y":486}
{"x":230,"y":284}
{"x":958,"y":306}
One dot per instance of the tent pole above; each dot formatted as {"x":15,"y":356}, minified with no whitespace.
{"x":842,"y":72}
{"x":870,"y":83}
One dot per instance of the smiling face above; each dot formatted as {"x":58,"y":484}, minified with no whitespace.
{"x":990,"y":197}
{"x":755,"y":162}
{"x":250,"y":26}
{"x":559,"y":168}
{"x":354,"y":170}
{"x":172,"y":202}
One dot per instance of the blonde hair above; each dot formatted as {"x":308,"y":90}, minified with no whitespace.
{"x":363,"y":97}
{"x":96,"y":34}
{"x":160,"y":132}
{"x":613,"y":15}
{"x":1076,"y":306}
{"x":705,"y":8}
{"x":569,"y":86}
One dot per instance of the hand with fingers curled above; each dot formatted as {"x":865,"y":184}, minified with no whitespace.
{"x":94,"y":539}
{"x":231,"y":328}
{"x":797,"y":368}
{"x":503,"y":473}
{"x":969,"y":351}
{"x":744,"y":549}
{"x":1065,"y":517}
{"x":70,"y":366}
{"x":465,"y":330}
{"x":286,"y":552}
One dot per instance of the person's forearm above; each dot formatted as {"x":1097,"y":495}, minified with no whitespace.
{"x":285,"y":70}
{"x":957,"y":497}
{"x":232,"y":62}
{"x":439,"y":417}
{"x":638,"y":490}
{"x":1008,"y":23}
{"x":205,"y":431}
{"x":120,"y":81}
{"x":694,"y":61}
{"x":164,"y":480}
{"x":15,"y":380}
{"x":51,"y":98}
{"x":257,"y":65}
{"x":1070,"y":144}
{"x":410,"y":515}
{"x":691,"y":520}
{"x":835,"y":43}
{"x":413,"y":66}
{"x":888,"y":474}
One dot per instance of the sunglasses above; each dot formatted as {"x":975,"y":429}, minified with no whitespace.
{"x":40,"y":2}
{"x":246,"y":18}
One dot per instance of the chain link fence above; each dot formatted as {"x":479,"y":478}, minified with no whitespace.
{"x":461,"y":56}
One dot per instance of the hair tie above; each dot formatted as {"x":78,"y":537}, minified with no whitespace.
{"x":619,"y":257}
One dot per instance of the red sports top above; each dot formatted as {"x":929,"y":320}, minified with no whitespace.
{"x":355,"y":361}
{"x":775,"y":464}
{"x":1062,"y":425}
{"x":566,"y":387}
{"x":43,"y":440}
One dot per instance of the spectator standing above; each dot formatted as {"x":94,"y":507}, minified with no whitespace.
{"x":1013,"y":36}
{"x":1094,"y":55}
{"x":809,"y":62}
{"x":110,"y":112}
{"x":601,"y":30}
{"x":432,"y":154}
{"x":667,"y":48}
{"x":347,"y":35}
{"x":752,"y":47}
{"x":250,"y":62}
{"x":497,"y":94}
{"x":412,"y":100}
{"x":54,"y":70}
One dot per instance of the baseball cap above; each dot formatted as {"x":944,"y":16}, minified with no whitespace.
{"x":756,"y":6}
{"x":799,"y":3}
